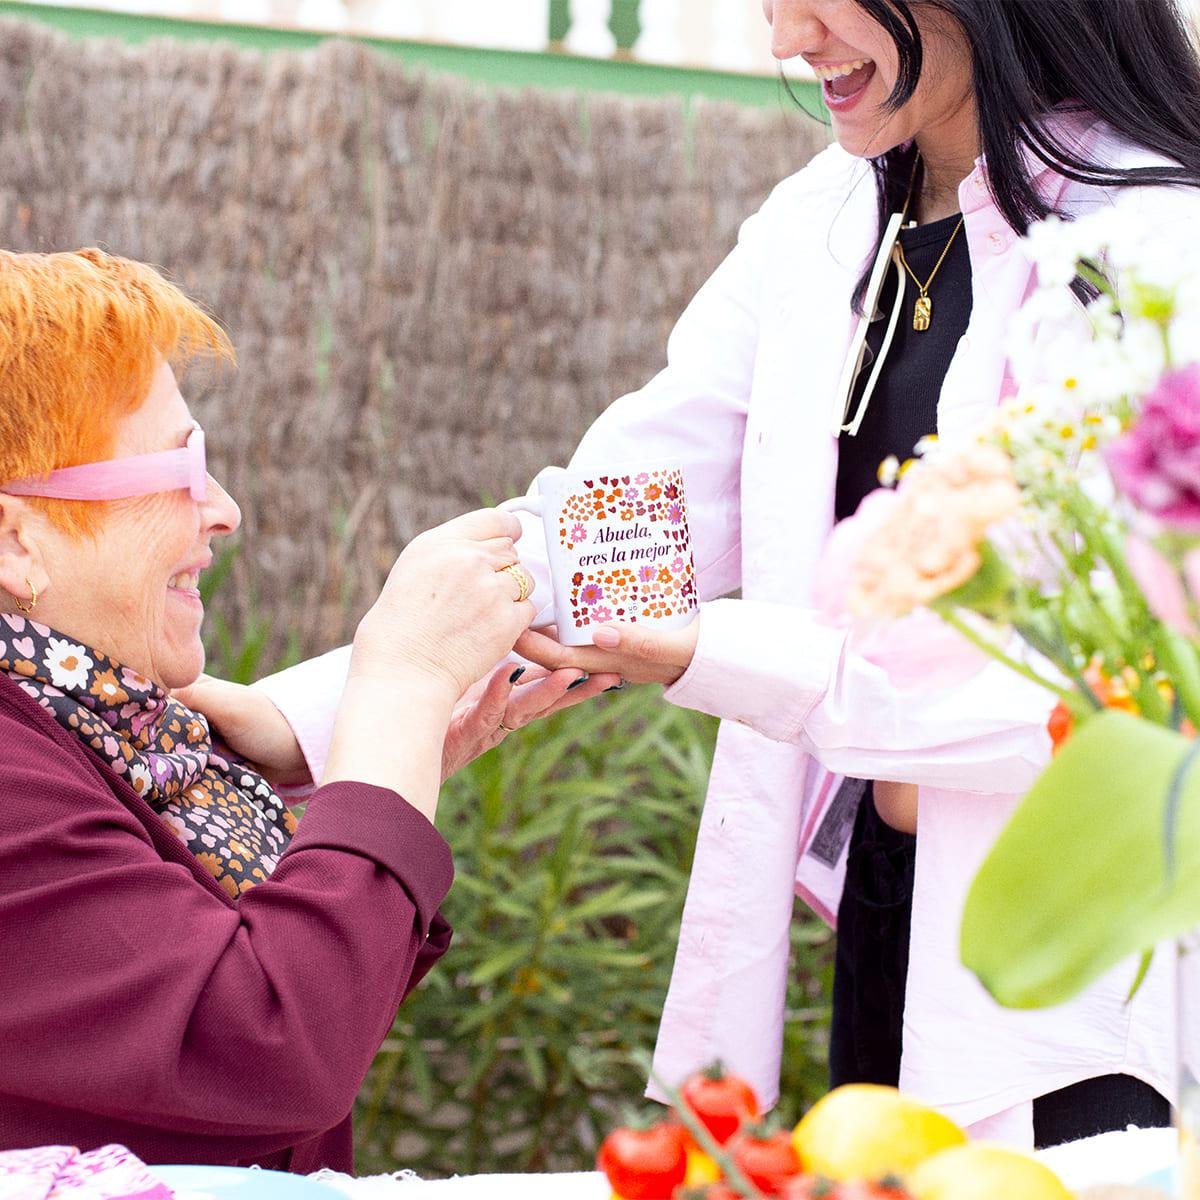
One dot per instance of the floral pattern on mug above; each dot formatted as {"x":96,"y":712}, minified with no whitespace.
{"x":649,"y":510}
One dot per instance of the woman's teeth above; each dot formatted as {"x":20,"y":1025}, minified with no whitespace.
{"x":827,"y":73}
{"x":185,"y":582}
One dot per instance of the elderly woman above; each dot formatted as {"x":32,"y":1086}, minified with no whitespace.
{"x":186,"y":969}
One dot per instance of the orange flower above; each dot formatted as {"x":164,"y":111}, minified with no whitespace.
{"x":106,"y":688}
{"x":210,"y":862}
{"x":1112,"y":692}
{"x":1060,"y":725}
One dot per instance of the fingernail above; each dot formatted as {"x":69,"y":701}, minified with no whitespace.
{"x":606,"y":639}
{"x":616,"y":687}
{"x":578,"y":683}
{"x":516,"y":675}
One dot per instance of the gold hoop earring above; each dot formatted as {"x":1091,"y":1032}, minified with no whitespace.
{"x":27,"y":606}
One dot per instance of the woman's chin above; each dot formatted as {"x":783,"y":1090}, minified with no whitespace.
{"x":181,"y":669}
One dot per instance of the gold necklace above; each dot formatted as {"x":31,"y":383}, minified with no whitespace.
{"x":923,"y":309}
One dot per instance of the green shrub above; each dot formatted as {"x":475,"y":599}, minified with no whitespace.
{"x":572,"y":844}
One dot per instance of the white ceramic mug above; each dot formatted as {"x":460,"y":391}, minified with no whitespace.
{"x":619,"y":547}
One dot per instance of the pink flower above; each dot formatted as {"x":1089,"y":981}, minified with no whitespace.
{"x":601,"y":614}
{"x":916,"y":651}
{"x":839,"y":559}
{"x":675,"y":514}
{"x":592,"y":593}
{"x":1157,"y":463}
{"x":1160,"y":584}
{"x":929,"y":542}
{"x":645,"y":574}
{"x":578,"y":533}
{"x":919,"y":652}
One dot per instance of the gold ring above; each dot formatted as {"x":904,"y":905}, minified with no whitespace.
{"x":524,"y":580}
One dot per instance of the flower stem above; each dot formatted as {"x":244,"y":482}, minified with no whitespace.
{"x":1178,"y":656}
{"x":993,"y":651}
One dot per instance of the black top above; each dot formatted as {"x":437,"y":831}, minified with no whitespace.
{"x":871,"y":963}
{"x":903,"y":408}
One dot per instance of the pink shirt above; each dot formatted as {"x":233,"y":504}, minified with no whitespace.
{"x":744,"y":403}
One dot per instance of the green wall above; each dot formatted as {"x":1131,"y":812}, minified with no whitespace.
{"x":497,"y":67}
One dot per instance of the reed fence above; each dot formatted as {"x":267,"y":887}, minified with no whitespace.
{"x":433,"y":288}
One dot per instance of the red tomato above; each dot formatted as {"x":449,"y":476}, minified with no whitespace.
{"x":767,"y":1160}
{"x":721,"y":1102}
{"x":644,"y":1164}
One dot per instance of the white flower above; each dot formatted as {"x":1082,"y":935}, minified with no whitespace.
{"x":140,"y":778}
{"x":1052,"y":245}
{"x":67,"y":663}
{"x":1183,"y":334}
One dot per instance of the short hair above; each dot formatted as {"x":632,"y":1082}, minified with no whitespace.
{"x":81,"y":336}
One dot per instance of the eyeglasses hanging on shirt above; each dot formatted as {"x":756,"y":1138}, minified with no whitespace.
{"x":890,"y":253}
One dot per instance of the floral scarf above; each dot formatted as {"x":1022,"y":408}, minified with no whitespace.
{"x":225,"y":812}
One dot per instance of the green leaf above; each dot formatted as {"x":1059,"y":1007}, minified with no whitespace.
{"x":1078,"y":881}
{"x":499,"y":964}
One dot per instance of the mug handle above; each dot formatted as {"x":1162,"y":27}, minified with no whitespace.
{"x":530,"y":504}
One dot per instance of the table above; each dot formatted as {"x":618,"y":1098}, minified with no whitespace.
{"x":1116,"y":1158}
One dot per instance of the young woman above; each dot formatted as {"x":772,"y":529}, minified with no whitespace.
{"x":968,"y":119}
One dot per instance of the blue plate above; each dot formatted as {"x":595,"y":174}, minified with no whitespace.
{"x":241,"y":1183}
{"x":1164,"y":1179}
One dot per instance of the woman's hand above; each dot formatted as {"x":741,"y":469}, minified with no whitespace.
{"x":510,"y":698}
{"x":637,"y":653}
{"x":448,"y":611}
{"x":251,"y":726}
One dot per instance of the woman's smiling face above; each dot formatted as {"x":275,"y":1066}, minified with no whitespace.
{"x":131,"y":591}
{"x":858,"y":65}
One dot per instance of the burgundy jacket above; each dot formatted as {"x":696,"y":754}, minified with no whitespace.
{"x":139,"y":1004}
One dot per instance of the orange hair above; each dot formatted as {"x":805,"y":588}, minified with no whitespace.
{"x":81,"y":336}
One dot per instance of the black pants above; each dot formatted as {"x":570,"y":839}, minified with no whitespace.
{"x":870,"y":971}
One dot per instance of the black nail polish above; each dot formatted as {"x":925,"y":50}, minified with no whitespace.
{"x":578,"y":683}
{"x":616,"y":687}
{"x":516,"y":675}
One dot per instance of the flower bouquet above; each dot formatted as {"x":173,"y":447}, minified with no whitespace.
{"x":1065,"y":543}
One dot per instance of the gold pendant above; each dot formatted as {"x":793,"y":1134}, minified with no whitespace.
{"x":922,"y":314}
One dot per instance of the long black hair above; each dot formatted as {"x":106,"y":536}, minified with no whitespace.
{"x":1131,"y":63}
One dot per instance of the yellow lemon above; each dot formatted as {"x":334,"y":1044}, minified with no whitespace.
{"x":983,"y":1172}
{"x":863,"y":1131}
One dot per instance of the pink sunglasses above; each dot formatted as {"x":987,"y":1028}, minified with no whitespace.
{"x":122,"y":478}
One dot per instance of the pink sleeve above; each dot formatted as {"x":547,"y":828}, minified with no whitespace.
{"x":308,"y":695}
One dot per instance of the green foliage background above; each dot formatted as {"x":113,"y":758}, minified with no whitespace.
{"x":573,"y":842}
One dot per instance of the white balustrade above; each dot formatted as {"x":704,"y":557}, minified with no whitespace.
{"x":320,"y":14}
{"x":726,"y":35}
{"x":501,"y":24}
{"x":661,"y":39}
{"x":589,"y":33}
{"x":734,"y":46}
{"x":406,"y":19}
{"x":246,"y":12}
